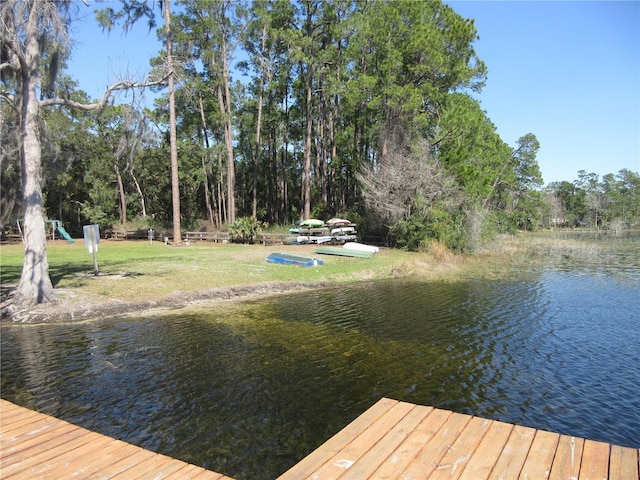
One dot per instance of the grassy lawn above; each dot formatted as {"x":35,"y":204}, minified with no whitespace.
{"x":137,"y":270}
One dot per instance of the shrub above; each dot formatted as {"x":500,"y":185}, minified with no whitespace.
{"x":244,"y":230}
{"x":409,"y":234}
{"x":318,"y":211}
{"x":419,"y":232}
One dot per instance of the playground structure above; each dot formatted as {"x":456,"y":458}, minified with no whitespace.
{"x":53,"y":227}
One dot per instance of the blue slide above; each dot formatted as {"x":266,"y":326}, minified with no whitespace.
{"x":65,"y":234}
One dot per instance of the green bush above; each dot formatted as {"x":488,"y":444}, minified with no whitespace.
{"x":244,"y":230}
{"x":418,"y":232}
{"x":446,"y":228}
{"x":409,"y":234}
{"x":318,"y":211}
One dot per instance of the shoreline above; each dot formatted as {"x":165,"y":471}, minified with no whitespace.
{"x":65,"y":311}
{"x":85,"y":302}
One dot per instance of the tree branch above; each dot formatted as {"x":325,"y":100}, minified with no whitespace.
{"x":10,"y":101}
{"x":9,"y":66}
{"x":122,"y":85}
{"x":10,"y":45}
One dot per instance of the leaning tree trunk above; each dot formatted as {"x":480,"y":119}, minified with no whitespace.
{"x":121,"y":196}
{"x":35,"y":285}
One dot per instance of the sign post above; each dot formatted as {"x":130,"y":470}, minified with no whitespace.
{"x":91,"y":240}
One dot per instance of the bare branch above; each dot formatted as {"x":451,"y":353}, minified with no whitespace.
{"x":406,"y":184}
{"x":122,"y":85}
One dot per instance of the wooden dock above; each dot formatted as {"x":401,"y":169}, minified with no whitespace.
{"x":398,"y":440}
{"x":391,"y":440}
{"x":37,"y":446}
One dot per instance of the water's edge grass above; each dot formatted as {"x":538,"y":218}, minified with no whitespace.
{"x":136,"y":275}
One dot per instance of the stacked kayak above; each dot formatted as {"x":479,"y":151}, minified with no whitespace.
{"x":336,"y":231}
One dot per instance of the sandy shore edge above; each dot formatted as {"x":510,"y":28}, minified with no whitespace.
{"x":65,"y":311}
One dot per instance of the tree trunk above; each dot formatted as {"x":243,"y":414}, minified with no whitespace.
{"x":321,"y":153}
{"x":231,"y":170}
{"x":121,"y":196}
{"x":143,"y":204}
{"x":173,"y":143}
{"x":332,"y":158}
{"x":256,"y":156}
{"x":222,"y":207}
{"x":137,"y":140}
{"x":306,"y":169}
{"x":228,"y":142}
{"x":35,"y":285}
{"x":205,"y":135}
{"x":284,"y":190}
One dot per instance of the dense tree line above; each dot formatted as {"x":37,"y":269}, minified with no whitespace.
{"x":611,"y":202}
{"x":284,"y":109}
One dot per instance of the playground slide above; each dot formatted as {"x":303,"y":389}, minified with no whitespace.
{"x":65,"y":234}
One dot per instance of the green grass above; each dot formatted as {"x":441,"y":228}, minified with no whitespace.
{"x":136,"y":270}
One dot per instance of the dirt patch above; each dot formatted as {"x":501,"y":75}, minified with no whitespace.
{"x":69,"y":309}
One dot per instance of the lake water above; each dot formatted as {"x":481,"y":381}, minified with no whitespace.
{"x":248,"y":389}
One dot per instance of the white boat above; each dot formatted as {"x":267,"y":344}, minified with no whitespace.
{"x":342,"y":231}
{"x":361,"y":247}
{"x":338,"y":222}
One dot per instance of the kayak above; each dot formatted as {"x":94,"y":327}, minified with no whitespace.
{"x":338,"y":222}
{"x":311,"y":222}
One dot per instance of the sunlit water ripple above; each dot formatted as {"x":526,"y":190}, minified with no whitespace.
{"x":249,"y":389}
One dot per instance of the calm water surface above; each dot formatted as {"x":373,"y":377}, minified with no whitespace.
{"x":249,"y":389}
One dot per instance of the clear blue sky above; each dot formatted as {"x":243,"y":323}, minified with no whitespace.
{"x":568,"y":72}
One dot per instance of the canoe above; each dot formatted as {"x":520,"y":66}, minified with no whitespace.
{"x":304,"y":239}
{"x":311,"y":222}
{"x":343,"y":252}
{"x":361,"y":246}
{"x":318,"y":232}
{"x":342,"y":230}
{"x":337,"y":222}
{"x":292,"y":259}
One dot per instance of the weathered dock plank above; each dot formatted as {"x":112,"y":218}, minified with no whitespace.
{"x":568,"y":458}
{"x":624,"y":463}
{"x":458,"y":455}
{"x":34,"y":445}
{"x":377,"y":454}
{"x":540,"y":457}
{"x":307,"y":466}
{"x":415,"y":442}
{"x":393,"y":440}
{"x":430,"y":457}
{"x":481,"y":464}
